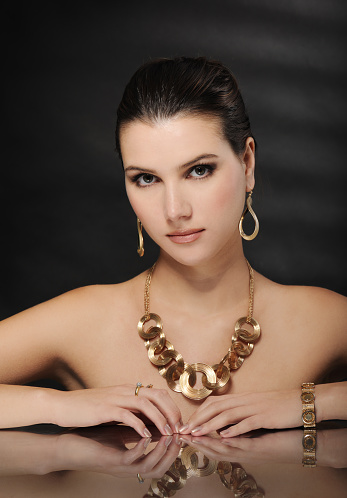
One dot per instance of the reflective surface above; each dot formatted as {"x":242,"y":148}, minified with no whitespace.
{"x":113,"y":461}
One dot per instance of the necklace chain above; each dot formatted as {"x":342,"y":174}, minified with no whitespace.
{"x":181,"y":376}
{"x":250,"y":299}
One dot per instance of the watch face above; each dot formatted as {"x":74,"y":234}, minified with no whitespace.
{"x":309,"y":442}
{"x":308,"y":417}
{"x":307,"y":397}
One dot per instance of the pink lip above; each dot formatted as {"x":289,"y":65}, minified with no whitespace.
{"x":185,"y":236}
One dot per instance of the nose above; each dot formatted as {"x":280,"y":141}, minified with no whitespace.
{"x":176,"y":204}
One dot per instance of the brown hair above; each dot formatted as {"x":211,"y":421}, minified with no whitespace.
{"x":163,"y":88}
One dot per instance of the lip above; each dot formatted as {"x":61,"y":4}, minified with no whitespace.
{"x":185,"y":236}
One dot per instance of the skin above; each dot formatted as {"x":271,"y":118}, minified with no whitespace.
{"x":87,"y":338}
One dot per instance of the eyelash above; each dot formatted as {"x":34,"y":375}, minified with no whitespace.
{"x":209,"y":167}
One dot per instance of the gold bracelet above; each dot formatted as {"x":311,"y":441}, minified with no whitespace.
{"x":309,"y":445}
{"x":307,"y":398}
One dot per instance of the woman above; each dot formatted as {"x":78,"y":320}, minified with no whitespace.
{"x":189,"y":156}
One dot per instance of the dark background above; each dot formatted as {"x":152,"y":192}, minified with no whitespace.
{"x":66,"y":219}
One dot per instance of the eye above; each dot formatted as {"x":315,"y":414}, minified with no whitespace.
{"x":201,"y":171}
{"x":145,"y":179}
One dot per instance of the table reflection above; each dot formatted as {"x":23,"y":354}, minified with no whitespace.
{"x":114,"y":461}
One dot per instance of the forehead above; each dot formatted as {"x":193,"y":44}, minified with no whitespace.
{"x":174,"y":140}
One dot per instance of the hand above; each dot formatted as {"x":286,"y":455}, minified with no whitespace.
{"x":248,"y":411}
{"x":30,"y":454}
{"x":274,"y":447}
{"x":89,"y":407}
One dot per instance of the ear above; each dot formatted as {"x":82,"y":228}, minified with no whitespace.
{"x":248,"y":159}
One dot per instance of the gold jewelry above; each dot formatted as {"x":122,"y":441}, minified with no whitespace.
{"x":254,"y":216}
{"x":181,"y":376}
{"x":309,"y":444}
{"x":307,"y":398}
{"x":186,"y":465}
{"x":138,"y":387}
{"x":140,"y":248}
{"x":139,"y":478}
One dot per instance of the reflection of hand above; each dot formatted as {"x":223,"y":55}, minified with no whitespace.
{"x":89,"y":407}
{"x":25,"y":453}
{"x":249,"y":411}
{"x":276,"y":447}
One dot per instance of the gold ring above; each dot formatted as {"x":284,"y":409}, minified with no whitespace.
{"x":138,"y":387}
{"x":139,"y":478}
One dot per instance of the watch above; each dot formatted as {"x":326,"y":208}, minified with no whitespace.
{"x":307,"y":398}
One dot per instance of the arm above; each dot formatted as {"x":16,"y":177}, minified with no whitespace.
{"x":268,"y":410}
{"x":34,"y":344}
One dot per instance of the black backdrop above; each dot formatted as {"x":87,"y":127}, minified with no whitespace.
{"x":66,"y":218}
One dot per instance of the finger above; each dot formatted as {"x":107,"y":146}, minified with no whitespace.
{"x":222,"y":420}
{"x":246,"y":425}
{"x":211,"y":447}
{"x":147,"y":465}
{"x":145,"y":406}
{"x":210,"y":411}
{"x":163,"y":401}
{"x":170,"y":456}
{"x":133,"y":454}
{"x":128,"y":418}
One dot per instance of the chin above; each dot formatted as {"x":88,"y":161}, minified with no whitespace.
{"x":192,"y":257}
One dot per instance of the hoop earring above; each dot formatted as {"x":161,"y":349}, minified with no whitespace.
{"x":250,"y":210}
{"x":140,"y":249}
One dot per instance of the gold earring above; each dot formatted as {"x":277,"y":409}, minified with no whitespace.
{"x":250,"y":210}
{"x":140,"y":249}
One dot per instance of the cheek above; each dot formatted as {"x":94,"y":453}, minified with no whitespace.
{"x":227,"y":200}
{"x":142,"y":205}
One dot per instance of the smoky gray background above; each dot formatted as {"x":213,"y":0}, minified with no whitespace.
{"x":67,"y":221}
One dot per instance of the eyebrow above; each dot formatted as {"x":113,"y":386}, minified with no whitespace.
{"x":183,"y":166}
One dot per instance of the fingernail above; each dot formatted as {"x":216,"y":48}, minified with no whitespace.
{"x":197,"y":429}
{"x":183,"y":428}
{"x":177,"y":427}
{"x":148,"y":440}
{"x":168,"y":441}
{"x":168,"y":430}
{"x":196,"y":441}
{"x":184,"y":439}
{"x":147,"y":433}
{"x":224,"y":433}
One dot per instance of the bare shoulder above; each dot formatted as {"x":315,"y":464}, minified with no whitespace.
{"x":304,"y":299}
{"x":33,"y":341}
{"x":320,"y":313}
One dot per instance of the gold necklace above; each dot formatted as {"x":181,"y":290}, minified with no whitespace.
{"x":186,"y":465}
{"x":181,"y":376}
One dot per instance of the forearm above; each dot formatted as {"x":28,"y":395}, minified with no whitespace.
{"x":24,"y":405}
{"x":331,"y":401}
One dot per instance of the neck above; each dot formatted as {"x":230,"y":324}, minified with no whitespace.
{"x":207,"y":288}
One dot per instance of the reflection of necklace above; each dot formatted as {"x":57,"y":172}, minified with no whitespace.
{"x":181,"y":376}
{"x":187,"y":465}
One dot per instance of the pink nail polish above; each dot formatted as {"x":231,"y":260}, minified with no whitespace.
{"x":147,"y":433}
{"x":183,"y":428}
{"x":168,"y":430}
{"x":196,"y":441}
{"x":197,"y":429}
{"x":168,"y":441}
{"x":148,"y":440}
{"x":224,"y":433}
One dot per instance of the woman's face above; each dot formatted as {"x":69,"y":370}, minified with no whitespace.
{"x":186,"y":185}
